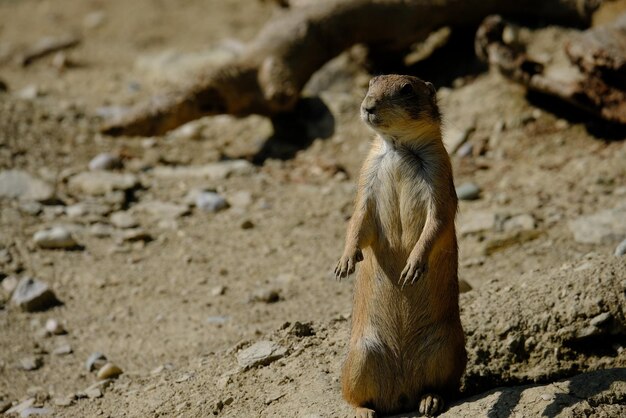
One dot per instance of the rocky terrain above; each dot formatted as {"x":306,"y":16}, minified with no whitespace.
{"x":190,"y":275}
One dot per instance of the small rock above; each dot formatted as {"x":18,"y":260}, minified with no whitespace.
{"x":261,"y":353}
{"x":162,"y":210}
{"x":241,"y":199}
{"x":524,"y":222}
{"x":302,"y":329}
{"x":589,"y":331}
{"x":57,"y":237}
{"x":31,"y":208}
{"x":189,"y":131}
{"x":247,"y":224}
{"x":265,"y":295}
{"x":95,"y":361}
{"x":54,"y":327}
{"x":453,"y":138}
{"x":621,"y":249}
{"x":218,"y":290}
{"x":603,"y":227}
{"x":9,"y":284}
{"x":65,"y":401}
{"x":476,"y":222}
{"x":136,"y":234}
{"x":17,"y":409}
{"x":63,"y":350}
{"x":98,"y":183}
{"x":123,"y":220}
{"x":33,"y":295}
{"x":17,"y":184}
{"x":465,"y":150}
{"x":210,"y":202}
{"x":93,"y":393}
{"x":468,"y":191}
{"x":32,"y":411}
{"x":218,"y":320}
{"x":601,"y":320}
{"x":31,"y":363}
{"x":109,"y":371}
{"x":213,"y":171}
{"x":101,"y":230}
{"x":29,"y":92}
{"x":105,"y":161}
{"x":464,"y":286}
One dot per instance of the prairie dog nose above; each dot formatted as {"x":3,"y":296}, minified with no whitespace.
{"x":369,"y":105}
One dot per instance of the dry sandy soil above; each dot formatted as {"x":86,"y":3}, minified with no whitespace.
{"x":176,"y":305}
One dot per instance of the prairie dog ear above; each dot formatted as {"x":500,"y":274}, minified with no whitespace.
{"x":431,"y":88}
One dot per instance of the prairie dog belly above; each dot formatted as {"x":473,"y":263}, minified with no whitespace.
{"x":400,"y":210}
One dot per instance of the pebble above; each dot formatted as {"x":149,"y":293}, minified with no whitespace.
{"x":123,"y":220}
{"x":9,"y":284}
{"x":135,"y":235}
{"x":241,"y":199}
{"x":33,"y":295}
{"x":261,"y":353}
{"x":63,"y":350}
{"x":524,"y":221}
{"x":31,"y":363}
{"x":453,"y":138}
{"x":105,"y":161}
{"x":57,"y":237}
{"x":603,"y":227}
{"x":18,"y":184}
{"x":22,"y":406}
{"x":97,"y":183}
{"x":265,"y":295}
{"x":65,"y":401}
{"x":31,"y":208}
{"x":476,"y":222}
{"x":218,"y":290}
{"x":109,"y":371}
{"x":93,"y":393}
{"x":468,"y":191}
{"x":29,"y":92}
{"x":95,"y":361}
{"x":210,"y":202}
{"x":219,"y":320}
{"x":161,"y":210}
{"x":601,"y":320}
{"x":465,"y":150}
{"x":32,"y":411}
{"x":54,"y":327}
{"x":213,"y":171}
{"x":620,"y":250}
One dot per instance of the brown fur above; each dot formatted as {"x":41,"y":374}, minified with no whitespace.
{"x":407,"y":345}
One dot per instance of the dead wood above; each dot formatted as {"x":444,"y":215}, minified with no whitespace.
{"x":594,"y":79}
{"x":268,"y":77}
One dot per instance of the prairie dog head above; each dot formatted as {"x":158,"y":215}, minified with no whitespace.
{"x":402,"y":107}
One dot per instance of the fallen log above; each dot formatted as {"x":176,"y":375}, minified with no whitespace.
{"x":268,"y":77}
{"x":593,"y":80}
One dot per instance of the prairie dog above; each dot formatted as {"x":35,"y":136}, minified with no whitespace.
{"x":407,"y":347}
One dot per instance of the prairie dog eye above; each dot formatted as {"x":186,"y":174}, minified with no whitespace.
{"x":406,"y":89}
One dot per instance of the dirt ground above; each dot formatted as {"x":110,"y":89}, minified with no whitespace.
{"x":175,"y":307}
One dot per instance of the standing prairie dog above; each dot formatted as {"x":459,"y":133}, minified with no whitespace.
{"x":407,"y":348}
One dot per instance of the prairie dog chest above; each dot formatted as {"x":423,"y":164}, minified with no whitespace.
{"x":400,"y":192}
